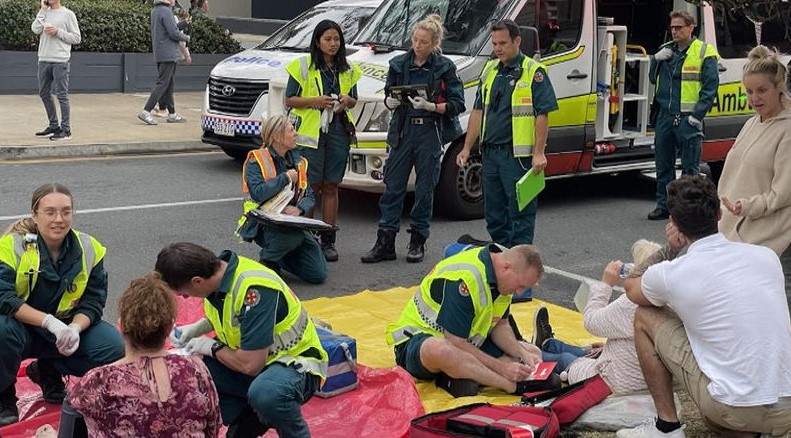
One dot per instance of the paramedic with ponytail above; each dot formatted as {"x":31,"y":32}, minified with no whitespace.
{"x":321,"y":89}
{"x":266,"y":172}
{"x":53,"y":288}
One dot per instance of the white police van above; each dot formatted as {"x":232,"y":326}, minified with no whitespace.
{"x":596,"y":53}
{"x":236,"y":94}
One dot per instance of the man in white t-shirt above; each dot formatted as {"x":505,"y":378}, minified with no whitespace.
{"x":715,"y":319}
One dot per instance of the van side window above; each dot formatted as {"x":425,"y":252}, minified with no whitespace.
{"x":736,"y":33}
{"x":559,"y":23}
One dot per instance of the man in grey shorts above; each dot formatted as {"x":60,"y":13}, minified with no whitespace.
{"x":58,"y":30}
{"x":716,"y":321}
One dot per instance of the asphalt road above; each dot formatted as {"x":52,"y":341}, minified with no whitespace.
{"x":136,"y":205}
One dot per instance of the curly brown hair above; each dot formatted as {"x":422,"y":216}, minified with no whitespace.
{"x":148,"y":312}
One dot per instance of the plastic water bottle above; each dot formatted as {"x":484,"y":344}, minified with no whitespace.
{"x":626,"y":269}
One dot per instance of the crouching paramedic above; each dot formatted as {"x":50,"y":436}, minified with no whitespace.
{"x":457,"y":322}
{"x":266,"y":359}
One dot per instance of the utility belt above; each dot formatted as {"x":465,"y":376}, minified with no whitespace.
{"x":495,"y":145}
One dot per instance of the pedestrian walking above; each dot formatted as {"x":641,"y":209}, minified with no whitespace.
{"x":165,"y":38}
{"x":58,"y":30}
{"x":415,"y":138}
{"x":321,"y":89}
{"x":510,"y":121}
{"x":686,"y":76}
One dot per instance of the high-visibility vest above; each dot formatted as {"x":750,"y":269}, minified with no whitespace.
{"x":308,"y":120}
{"x":292,"y":336}
{"x":691,"y":73}
{"x":420,"y":313}
{"x":22,"y":254}
{"x":523,"y":117}
{"x":268,"y":170}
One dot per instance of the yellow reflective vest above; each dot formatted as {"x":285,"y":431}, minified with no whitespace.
{"x":20,"y":252}
{"x":268,"y":170}
{"x":691,"y":73}
{"x":292,"y":336}
{"x":523,"y":117}
{"x":420,"y":313}
{"x":308,"y":120}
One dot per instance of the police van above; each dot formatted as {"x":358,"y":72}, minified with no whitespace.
{"x":236,"y":93}
{"x":596,"y":53}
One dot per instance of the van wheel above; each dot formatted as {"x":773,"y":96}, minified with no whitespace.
{"x":459,"y":194}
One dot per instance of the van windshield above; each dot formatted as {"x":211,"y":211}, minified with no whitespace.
{"x":296,"y":34}
{"x":466,"y":23}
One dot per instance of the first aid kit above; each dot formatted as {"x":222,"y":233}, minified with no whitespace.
{"x":342,"y":371}
{"x":490,"y":421}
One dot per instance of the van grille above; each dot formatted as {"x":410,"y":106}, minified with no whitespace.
{"x":234,"y":97}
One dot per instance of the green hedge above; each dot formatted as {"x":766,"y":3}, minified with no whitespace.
{"x":110,"y":26}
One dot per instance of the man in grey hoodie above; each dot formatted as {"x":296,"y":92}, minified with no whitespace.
{"x":165,"y":38}
{"x":58,"y":30}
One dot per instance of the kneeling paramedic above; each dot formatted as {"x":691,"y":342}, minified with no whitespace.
{"x":266,"y":359}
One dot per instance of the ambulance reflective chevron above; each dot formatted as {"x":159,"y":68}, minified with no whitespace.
{"x":596,"y":52}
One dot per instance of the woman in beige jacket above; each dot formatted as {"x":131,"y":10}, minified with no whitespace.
{"x":755,"y":185}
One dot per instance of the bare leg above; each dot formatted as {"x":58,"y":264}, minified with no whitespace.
{"x":647,"y":321}
{"x":329,"y":203}
{"x":437,"y":354}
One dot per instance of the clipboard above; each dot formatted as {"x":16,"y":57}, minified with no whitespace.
{"x":404,"y":92}
{"x":284,"y":221}
{"x":528,"y":187}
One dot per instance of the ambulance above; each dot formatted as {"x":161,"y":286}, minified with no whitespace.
{"x":597,"y":57}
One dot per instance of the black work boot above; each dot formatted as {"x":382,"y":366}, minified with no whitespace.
{"x":274,"y":266}
{"x":9,"y":413}
{"x":328,"y":245}
{"x":43,"y":373}
{"x":247,"y":425}
{"x":417,"y":247}
{"x":384,"y":249}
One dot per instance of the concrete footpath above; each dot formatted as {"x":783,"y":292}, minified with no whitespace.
{"x":101,"y":124}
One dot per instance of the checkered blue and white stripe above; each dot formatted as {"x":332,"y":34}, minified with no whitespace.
{"x":243,"y":127}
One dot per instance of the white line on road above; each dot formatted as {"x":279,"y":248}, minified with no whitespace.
{"x":137,"y":207}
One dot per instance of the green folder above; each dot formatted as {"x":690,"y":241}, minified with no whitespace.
{"x":528,"y":187}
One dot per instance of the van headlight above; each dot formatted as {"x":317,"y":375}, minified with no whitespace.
{"x":380,"y":118}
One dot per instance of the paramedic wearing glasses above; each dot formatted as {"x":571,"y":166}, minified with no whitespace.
{"x":415,"y":138}
{"x":510,"y":121}
{"x":53,"y":288}
{"x":686,"y":77}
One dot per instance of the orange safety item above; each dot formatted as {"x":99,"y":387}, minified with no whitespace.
{"x":268,"y":170}
{"x":614,"y":97}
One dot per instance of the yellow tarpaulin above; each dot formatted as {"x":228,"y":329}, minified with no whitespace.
{"x":365,"y":315}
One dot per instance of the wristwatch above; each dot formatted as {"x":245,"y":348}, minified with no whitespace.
{"x":215,"y":348}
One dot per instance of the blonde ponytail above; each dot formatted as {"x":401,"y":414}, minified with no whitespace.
{"x":765,"y":61}
{"x":22,"y":226}
{"x":432,"y":24}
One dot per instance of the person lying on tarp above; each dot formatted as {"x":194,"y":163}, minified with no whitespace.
{"x":456,"y":325}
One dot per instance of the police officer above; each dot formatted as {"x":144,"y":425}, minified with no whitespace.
{"x":266,"y":359}
{"x":53,"y":288}
{"x":686,"y":76}
{"x":457,"y":322}
{"x":266,"y":172}
{"x":510,"y":122}
{"x":321,"y":89}
{"x":418,"y":129}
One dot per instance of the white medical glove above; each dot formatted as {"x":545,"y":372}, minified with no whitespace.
{"x":325,"y":120}
{"x":419,"y":103}
{"x":200,"y":346}
{"x":392,"y":103}
{"x":181,"y":335}
{"x":664,"y":54}
{"x":693,"y":121}
{"x":67,"y":337}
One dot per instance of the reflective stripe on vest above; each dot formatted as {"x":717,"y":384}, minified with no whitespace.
{"x":26,"y":262}
{"x":292,"y":336}
{"x":523,"y":120}
{"x":691,"y":71}
{"x":308,"y":120}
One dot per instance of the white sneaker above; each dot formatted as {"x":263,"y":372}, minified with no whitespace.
{"x":648,"y":430}
{"x":146,"y":117}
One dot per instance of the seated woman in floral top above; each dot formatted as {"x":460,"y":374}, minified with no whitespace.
{"x":149,"y":392}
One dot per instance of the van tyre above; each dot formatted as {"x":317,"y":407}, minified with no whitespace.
{"x":459,"y":193}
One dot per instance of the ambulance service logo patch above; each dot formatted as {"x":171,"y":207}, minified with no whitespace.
{"x":252,"y":297}
{"x":463,"y":290}
{"x":539,"y":77}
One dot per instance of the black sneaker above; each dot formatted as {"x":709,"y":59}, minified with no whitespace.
{"x":658,"y":214}
{"x":61,"y":135}
{"x":541,"y":328}
{"x":9,"y":413}
{"x":48,"y":131}
{"x":43,"y":374}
